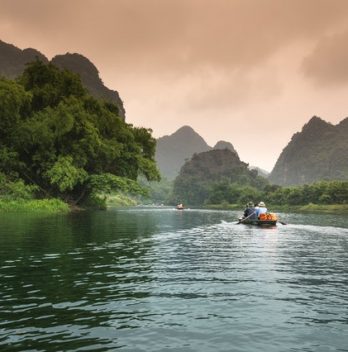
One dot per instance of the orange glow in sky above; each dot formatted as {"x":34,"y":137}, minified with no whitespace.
{"x":251,"y":72}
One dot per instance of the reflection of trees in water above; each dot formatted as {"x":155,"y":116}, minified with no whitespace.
{"x":73,"y":272}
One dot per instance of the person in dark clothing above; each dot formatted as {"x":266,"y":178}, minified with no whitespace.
{"x":250,"y":212}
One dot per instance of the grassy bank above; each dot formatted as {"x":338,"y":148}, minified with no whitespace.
{"x":309,"y":208}
{"x":120,"y":200}
{"x":312,"y":208}
{"x":34,"y":205}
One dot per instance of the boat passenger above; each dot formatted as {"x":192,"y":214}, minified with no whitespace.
{"x":250,"y":211}
{"x":261,"y":209}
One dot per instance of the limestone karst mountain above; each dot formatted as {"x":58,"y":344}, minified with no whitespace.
{"x":318,"y":152}
{"x":224,"y":145}
{"x":198,"y":176}
{"x":173,"y":150}
{"x":13,"y":61}
{"x":90,"y":78}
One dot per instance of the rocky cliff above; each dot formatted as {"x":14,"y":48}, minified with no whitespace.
{"x":13,"y":61}
{"x":318,"y":152}
{"x":89,"y":77}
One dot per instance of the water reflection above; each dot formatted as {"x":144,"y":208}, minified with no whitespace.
{"x":160,"y":279}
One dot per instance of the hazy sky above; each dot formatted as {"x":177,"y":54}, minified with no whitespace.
{"x":250,"y":72}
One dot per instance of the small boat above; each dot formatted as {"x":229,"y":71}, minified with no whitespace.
{"x":268,"y":219}
{"x":180,"y":207}
{"x":258,"y":222}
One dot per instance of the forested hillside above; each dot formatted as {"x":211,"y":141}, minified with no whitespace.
{"x":318,"y":152}
{"x":56,"y":140}
{"x":214,"y":177}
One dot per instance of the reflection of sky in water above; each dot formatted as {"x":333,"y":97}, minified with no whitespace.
{"x":161,"y":279}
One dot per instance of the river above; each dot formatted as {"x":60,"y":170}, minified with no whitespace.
{"x":158,"y":279}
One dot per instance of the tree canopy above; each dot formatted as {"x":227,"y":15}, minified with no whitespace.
{"x":213,"y":177}
{"x":54,"y":135}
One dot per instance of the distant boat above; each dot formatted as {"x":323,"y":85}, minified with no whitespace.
{"x":180,"y":207}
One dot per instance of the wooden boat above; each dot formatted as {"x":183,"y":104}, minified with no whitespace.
{"x":258,"y":222}
{"x":268,"y":219}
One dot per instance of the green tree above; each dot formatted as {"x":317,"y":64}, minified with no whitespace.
{"x":67,"y":143}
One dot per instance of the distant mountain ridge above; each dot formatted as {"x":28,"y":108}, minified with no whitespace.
{"x":318,"y":152}
{"x":261,"y":172}
{"x":13,"y":61}
{"x":172,"y":151}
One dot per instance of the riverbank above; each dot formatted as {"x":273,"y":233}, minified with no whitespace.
{"x":308,"y":208}
{"x":58,"y":206}
{"x":120,"y":200}
{"x":34,"y":205}
{"x":313,"y":208}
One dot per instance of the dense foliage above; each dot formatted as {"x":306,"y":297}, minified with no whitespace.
{"x":158,"y":192}
{"x":90,"y":78}
{"x":318,"y":152}
{"x":56,"y":137}
{"x":323,"y":192}
{"x":214,"y":177}
{"x":219,"y":177}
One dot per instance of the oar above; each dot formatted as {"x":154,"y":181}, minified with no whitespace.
{"x":240,"y":221}
{"x":283,"y":223}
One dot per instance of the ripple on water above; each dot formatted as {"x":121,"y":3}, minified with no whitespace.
{"x":192,"y":281}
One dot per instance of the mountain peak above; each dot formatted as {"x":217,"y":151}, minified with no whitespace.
{"x":319,"y":151}
{"x":316,"y":122}
{"x":173,"y":150}
{"x":13,"y":61}
{"x":186,"y":135}
{"x":90,"y":78}
{"x":187,"y":130}
{"x":70,"y":60}
{"x":224,"y":145}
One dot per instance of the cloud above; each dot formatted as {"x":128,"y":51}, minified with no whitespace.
{"x":221,"y":66}
{"x":173,"y":34}
{"x":327,"y":63}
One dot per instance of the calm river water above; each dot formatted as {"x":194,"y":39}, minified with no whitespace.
{"x":167,"y":280}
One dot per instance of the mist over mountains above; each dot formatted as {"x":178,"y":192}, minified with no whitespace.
{"x":318,"y":152}
{"x":172,"y":151}
{"x":13,"y":61}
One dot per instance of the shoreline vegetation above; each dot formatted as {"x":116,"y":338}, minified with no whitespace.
{"x":63,"y":150}
{"x":58,"y":142}
{"x":307,"y":208}
{"x":55,"y":205}
{"x":34,"y":206}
